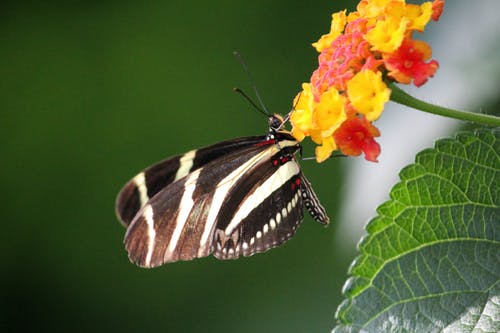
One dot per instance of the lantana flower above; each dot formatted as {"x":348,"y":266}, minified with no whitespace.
{"x":363,"y":51}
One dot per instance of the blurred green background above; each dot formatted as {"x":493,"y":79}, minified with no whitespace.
{"x":92,"y":92}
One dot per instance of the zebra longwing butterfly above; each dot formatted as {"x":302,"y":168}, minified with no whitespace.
{"x":234,"y":198}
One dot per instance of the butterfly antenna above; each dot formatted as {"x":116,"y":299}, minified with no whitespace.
{"x":252,"y":82}
{"x":242,"y":93}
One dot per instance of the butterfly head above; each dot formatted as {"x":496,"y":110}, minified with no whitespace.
{"x":275,"y":122}
{"x":282,"y":138}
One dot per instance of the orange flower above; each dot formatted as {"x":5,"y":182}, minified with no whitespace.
{"x":437,"y":9}
{"x":409,"y":63}
{"x":356,"y":136}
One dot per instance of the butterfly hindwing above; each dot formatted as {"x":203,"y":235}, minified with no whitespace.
{"x":275,"y":206}
{"x":266,"y":216}
{"x":311,"y":201}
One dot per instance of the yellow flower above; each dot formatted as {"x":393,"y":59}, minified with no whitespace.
{"x":419,"y":16}
{"x":337,"y":27}
{"x":352,"y":16}
{"x":325,"y":150}
{"x":387,"y":35}
{"x":316,"y":136}
{"x":396,"y":10}
{"x":374,"y":8}
{"x":301,"y":117}
{"x":329,"y":112}
{"x":301,"y":121}
{"x":368,"y":93}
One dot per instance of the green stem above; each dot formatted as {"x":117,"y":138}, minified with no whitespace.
{"x":401,"y":97}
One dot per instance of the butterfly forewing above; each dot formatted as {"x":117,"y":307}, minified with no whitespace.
{"x":153,"y":179}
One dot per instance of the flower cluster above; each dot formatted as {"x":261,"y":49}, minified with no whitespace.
{"x":348,"y":91}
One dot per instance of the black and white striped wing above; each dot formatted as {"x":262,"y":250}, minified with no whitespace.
{"x":153,"y":179}
{"x":260,"y":215}
{"x":240,"y":203}
{"x":179,"y":222}
{"x":269,"y":214}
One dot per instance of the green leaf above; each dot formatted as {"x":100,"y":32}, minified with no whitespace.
{"x":431,"y":259}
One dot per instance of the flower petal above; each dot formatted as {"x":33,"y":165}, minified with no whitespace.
{"x":329,"y":113}
{"x":325,"y":150}
{"x":338,"y":23}
{"x":368,"y":93}
{"x":356,"y":136}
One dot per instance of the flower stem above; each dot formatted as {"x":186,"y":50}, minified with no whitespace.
{"x":401,"y":97}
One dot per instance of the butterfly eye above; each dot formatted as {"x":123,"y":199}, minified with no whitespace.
{"x":275,"y":122}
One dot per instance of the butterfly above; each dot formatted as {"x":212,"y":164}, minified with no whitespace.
{"x":231,"y":199}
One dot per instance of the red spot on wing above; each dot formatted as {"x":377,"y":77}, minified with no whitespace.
{"x":266,"y":143}
{"x":295,"y":183}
